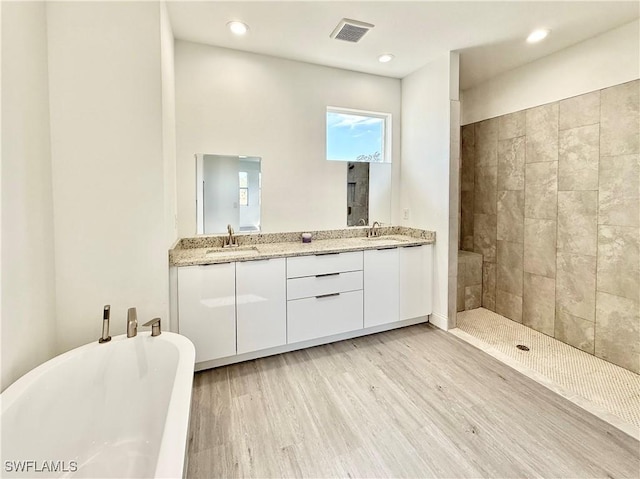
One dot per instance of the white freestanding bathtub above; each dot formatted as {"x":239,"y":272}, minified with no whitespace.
{"x":118,"y":409}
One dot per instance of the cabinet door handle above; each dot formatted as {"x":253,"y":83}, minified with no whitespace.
{"x":412,"y":246}
{"x":327,"y":295}
{"x":327,"y":274}
{"x":325,"y":254}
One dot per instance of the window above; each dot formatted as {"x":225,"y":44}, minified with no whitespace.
{"x":244,"y":188}
{"x":354,"y":135}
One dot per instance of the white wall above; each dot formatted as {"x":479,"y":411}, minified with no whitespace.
{"x":426,"y":131}
{"x":28,"y":275}
{"x":600,"y":62}
{"x":235,"y":103}
{"x":168,"y":123}
{"x":108,"y":164}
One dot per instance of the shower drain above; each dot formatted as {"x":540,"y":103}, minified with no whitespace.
{"x":522,"y":347}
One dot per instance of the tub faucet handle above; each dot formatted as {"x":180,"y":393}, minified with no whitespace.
{"x":155,"y":326}
{"x":132,"y":322}
{"x":105,"y":324}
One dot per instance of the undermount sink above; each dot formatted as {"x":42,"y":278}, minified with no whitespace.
{"x":233,"y":252}
{"x":384,"y":238}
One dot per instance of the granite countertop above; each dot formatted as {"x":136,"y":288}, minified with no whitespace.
{"x":208,"y":249}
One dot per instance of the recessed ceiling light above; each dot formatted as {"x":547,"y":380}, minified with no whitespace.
{"x":238,"y":28}
{"x":537,"y":35}
{"x":385,"y":57}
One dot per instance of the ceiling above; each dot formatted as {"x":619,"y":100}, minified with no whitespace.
{"x":490,"y":36}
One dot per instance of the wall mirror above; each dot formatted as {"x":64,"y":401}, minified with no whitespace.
{"x":228,"y":192}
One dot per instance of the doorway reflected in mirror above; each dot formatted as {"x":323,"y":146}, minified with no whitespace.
{"x":228,"y":192}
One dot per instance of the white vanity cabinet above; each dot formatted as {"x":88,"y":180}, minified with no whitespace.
{"x":381,"y":286}
{"x":416,"y":281}
{"x":207,"y":309}
{"x":261,"y":304}
{"x":324,"y":295}
{"x":244,"y":310}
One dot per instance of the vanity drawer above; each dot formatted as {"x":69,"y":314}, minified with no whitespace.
{"x":327,"y":283}
{"x":312,"y":318}
{"x":300,"y":266}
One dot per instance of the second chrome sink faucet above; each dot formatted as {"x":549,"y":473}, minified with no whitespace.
{"x":373,"y":232}
{"x":230,"y":241}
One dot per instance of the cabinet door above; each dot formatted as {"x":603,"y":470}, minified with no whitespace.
{"x":261,"y":304}
{"x":207,"y":309}
{"x":381,"y":287}
{"x":416,"y":264}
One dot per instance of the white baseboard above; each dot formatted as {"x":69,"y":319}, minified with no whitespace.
{"x":214,"y":363}
{"x":439,"y":321}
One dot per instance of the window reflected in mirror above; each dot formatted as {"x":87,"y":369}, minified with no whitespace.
{"x":228,"y":192}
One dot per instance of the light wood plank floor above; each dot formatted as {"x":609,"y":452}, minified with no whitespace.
{"x":414,"y":402}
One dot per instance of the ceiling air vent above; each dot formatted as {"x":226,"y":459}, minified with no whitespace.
{"x":351,"y":30}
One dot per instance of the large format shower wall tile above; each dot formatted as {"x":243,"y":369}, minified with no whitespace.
{"x":576,"y":285}
{"x":542,"y":133}
{"x":540,"y":247}
{"x":512,"y":125}
{"x":489,"y":286}
{"x":619,"y":261}
{"x":541,"y":190}
{"x":468,"y":158}
{"x":511,"y":156}
{"x":577,"y":332}
{"x":473,"y":271}
{"x":619,"y":192}
{"x":466,"y":220}
{"x":484,"y":236}
{"x":579,"y":110}
{"x":539,"y":303}
{"x":509,"y":267}
{"x":511,"y":216}
{"x":509,"y":305}
{"x":578,"y":158}
{"x":620,"y":119}
{"x":618,"y":330}
{"x":577,"y":222}
{"x":485,"y":189}
{"x":486,"y":143}
{"x":472,"y":297}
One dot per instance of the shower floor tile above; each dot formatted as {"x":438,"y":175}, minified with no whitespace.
{"x":604,"y":389}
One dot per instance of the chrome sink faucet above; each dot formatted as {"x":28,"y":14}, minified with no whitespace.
{"x":373,"y":231}
{"x":230,"y":241}
{"x":132,"y":323}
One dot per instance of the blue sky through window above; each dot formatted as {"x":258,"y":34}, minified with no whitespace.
{"x":352,"y":137}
